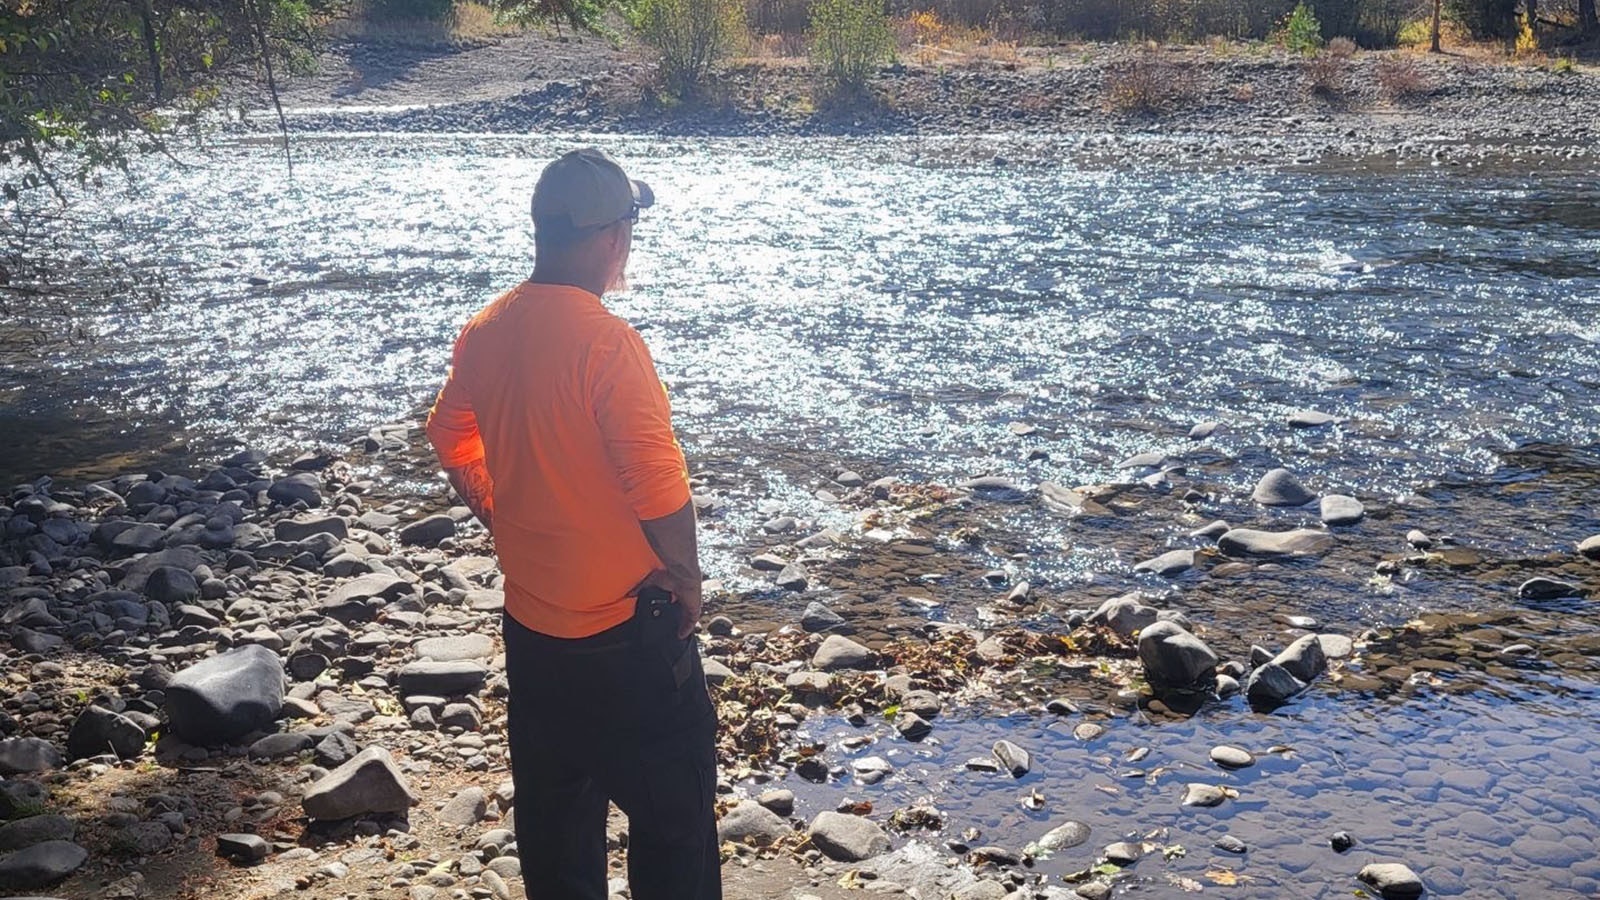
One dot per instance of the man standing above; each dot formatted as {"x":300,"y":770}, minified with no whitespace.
{"x":555,"y":429}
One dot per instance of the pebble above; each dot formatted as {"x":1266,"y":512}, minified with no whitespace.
{"x":1230,"y":844}
{"x":1232,"y":757}
{"x":1088,"y":731}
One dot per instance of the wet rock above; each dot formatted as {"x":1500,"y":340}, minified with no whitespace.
{"x":1088,"y":731}
{"x":871,"y":769}
{"x":1250,"y":542}
{"x":846,"y":838}
{"x":924,"y":703}
{"x":1271,"y":685}
{"x":1280,"y":487}
{"x":1062,"y":837}
{"x":27,"y":755}
{"x":1310,"y":418}
{"x":1213,"y":531}
{"x":466,"y":809}
{"x":301,"y":487}
{"x":428,"y":532}
{"x":367,"y":785}
{"x":1152,"y":460}
{"x":1012,"y":758}
{"x":768,"y":562}
{"x":1336,"y":646}
{"x":1590,"y":547}
{"x":1169,"y":564}
{"x":1123,"y":853}
{"x":780,"y":801}
{"x":1341,"y":841}
{"x":1176,"y":661}
{"x":1232,"y":757}
{"x":792,"y":578}
{"x":41,"y":864}
{"x":1203,"y":430}
{"x":450,"y":649}
{"x":1125,"y":615}
{"x":912,"y":726}
{"x":243,"y":848}
{"x":1230,"y":844}
{"x":719,"y":626}
{"x":227,"y":696}
{"x":443,"y":679}
{"x":98,"y":730}
{"x":1203,"y":795}
{"x":818,"y":618}
{"x":1339,"y":510}
{"x":35,"y":830}
{"x":751,"y":822}
{"x":991,"y":487}
{"x":838,"y":652}
{"x":1416,"y":538}
{"x":1542,"y":588}
{"x":1392,"y":881}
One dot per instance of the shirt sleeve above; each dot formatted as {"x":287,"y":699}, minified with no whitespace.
{"x":635,"y":418}
{"x":452,"y":425}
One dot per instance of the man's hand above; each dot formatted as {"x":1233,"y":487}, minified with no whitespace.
{"x":476,"y":488}
{"x":673,"y":538}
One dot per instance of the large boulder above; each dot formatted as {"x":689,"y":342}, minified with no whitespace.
{"x":1250,"y":542}
{"x":1176,"y":661}
{"x":1280,"y":488}
{"x":99,"y":730}
{"x":369,"y":784}
{"x":42,"y":864}
{"x":227,"y":696}
{"x":847,"y":838}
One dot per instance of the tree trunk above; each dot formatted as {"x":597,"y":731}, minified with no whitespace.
{"x":1533,"y":15}
{"x":1438,"y":12}
{"x":1587,"y":18}
{"x":147,"y":17}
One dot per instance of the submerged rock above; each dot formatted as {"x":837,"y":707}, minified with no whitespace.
{"x":1013,"y":758}
{"x":1062,"y":837}
{"x":1176,"y":661}
{"x":1310,"y":418}
{"x":1590,"y":547}
{"x":1169,"y":564}
{"x":1250,"y":542}
{"x":1542,"y":588}
{"x":1271,"y":685}
{"x":1392,"y":881}
{"x":1280,"y":487}
{"x":1338,"y":509}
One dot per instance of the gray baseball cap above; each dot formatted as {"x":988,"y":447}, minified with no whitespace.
{"x":585,"y":190}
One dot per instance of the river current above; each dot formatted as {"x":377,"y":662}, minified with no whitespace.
{"x":898,"y":306}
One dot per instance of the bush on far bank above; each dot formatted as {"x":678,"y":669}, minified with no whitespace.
{"x":850,"y":39}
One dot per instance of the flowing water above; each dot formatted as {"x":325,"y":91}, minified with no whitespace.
{"x":894,"y":306}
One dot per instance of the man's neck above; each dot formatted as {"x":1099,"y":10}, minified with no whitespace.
{"x":594,"y":286}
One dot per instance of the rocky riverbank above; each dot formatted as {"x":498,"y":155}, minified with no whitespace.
{"x":283,"y":677}
{"x":1215,"y":103}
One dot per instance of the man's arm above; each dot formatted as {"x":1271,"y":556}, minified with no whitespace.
{"x":673,"y":538}
{"x":476,"y":488}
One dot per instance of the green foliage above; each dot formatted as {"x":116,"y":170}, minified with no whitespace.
{"x":87,"y":84}
{"x":412,"y":10}
{"x":849,"y":40}
{"x":1301,"y":32}
{"x":691,"y":37}
{"x":587,"y":15}
{"x":1485,"y":18}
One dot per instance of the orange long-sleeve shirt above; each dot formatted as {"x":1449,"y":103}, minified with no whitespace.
{"x":561,"y":400}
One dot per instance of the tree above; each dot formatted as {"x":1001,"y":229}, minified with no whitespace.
{"x":1433,"y":34}
{"x":1587,"y":19}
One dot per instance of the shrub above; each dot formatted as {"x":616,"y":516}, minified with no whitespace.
{"x":849,"y":40}
{"x":1328,"y":74}
{"x":1564,"y":66}
{"x":1400,"y":78}
{"x":1415,"y":33}
{"x":1146,"y":85}
{"x":691,"y":37}
{"x":1301,"y":32}
{"x":1527,"y":41}
{"x":1342,"y":47}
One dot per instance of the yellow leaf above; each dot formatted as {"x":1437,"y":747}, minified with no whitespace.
{"x":1225,"y":877}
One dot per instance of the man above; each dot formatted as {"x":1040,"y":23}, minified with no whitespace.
{"x":555,"y":429}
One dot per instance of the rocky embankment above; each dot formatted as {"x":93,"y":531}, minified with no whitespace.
{"x":271,"y":678}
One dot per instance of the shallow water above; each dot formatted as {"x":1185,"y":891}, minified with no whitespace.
{"x":892,"y":306}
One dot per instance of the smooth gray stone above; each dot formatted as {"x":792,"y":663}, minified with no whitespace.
{"x":286,"y":744}
{"x":1012,"y":758}
{"x":1203,"y":795}
{"x":1303,"y":659}
{"x":227,"y":696}
{"x":443,"y":679}
{"x":1250,"y":542}
{"x":1125,"y":615}
{"x":1337,"y":510}
{"x":35,"y":830}
{"x":243,"y":848}
{"x":1232,"y":757}
{"x":41,"y":864}
{"x":1280,"y":487}
{"x":1542,"y":588}
{"x":1310,"y":418}
{"x":819,"y":618}
{"x":465,"y":809}
{"x":716,"y":673}
{"x":1169,"y":564}
{"x":1062,"y":837}
{"x":1392,"y":881}
{"x":486,"y":601}
{"x":1203,"y":430}
{"x":302,"y":527}
{"x":366,"y":785}
{"x":428,"y":532}
{"x":301,"y":486}
{"x":846,"y":838}
{"x":98,"y":730}
{"x":448,"y":649}
{"x":750,"y":822}
{"x":1175,"y":660}
{"x":26,"y":755}
{"x":839,"y":652}
{"x":1271,"y":685}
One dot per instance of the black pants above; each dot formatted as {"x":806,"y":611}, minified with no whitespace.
{"x":621,"y":716}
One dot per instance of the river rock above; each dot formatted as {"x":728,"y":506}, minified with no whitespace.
{"x":1062,"y":837}
{"x":1304,"y":658}
{"x":1337,"y":509}
{"x":1590,"y":547}
{"x":141,"y":538}
{"x":172,"y":586}
{"x":428,"y":532}
{"x":366,"y":785}
{"x":911,"y":726}
{"x":99,"y":730}
{"x":243,"y":848}
{"x":847,"y":838}
{"x":1336,"y":646}
{"x":1012,"y":758}
{"x":1203,"y":430}
{"x":41,"y":864}
{"x":1250,"y":542}
{"x":466,"y":809}
{"x":1203,"y":795}
{"x":1176,"y":661}
{"x":26,"y":755}
{"x":1310,"y":418}
{"x":1271,"y":685}
{"x":792,"y":578}
{"x":1169,"y":564}
{"x":779,"y":800}
{"x":35,"y":830}
{"x":448,"y":649}
{"x":1280,"y":487}
{"x":1232,"y":757}
{"x":1542,"y":588}
{"x":486,"y":601}
{"x":818,"y":618}
{"x":358,"y":600}
{"x":273,"y":746}
{"x":442,"y":679}
{"x":750,"y":822}
{"x":227,"y":696}
{"x":1392,"y":881}
{"x":302,"y":527}
{"x":302,"y":487}
{"x":1125,"y":615}
{"x":21,"y":798}
{"x":715,"y":671}
{"x":839,"y":652}
{"x":1150,"y":460}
